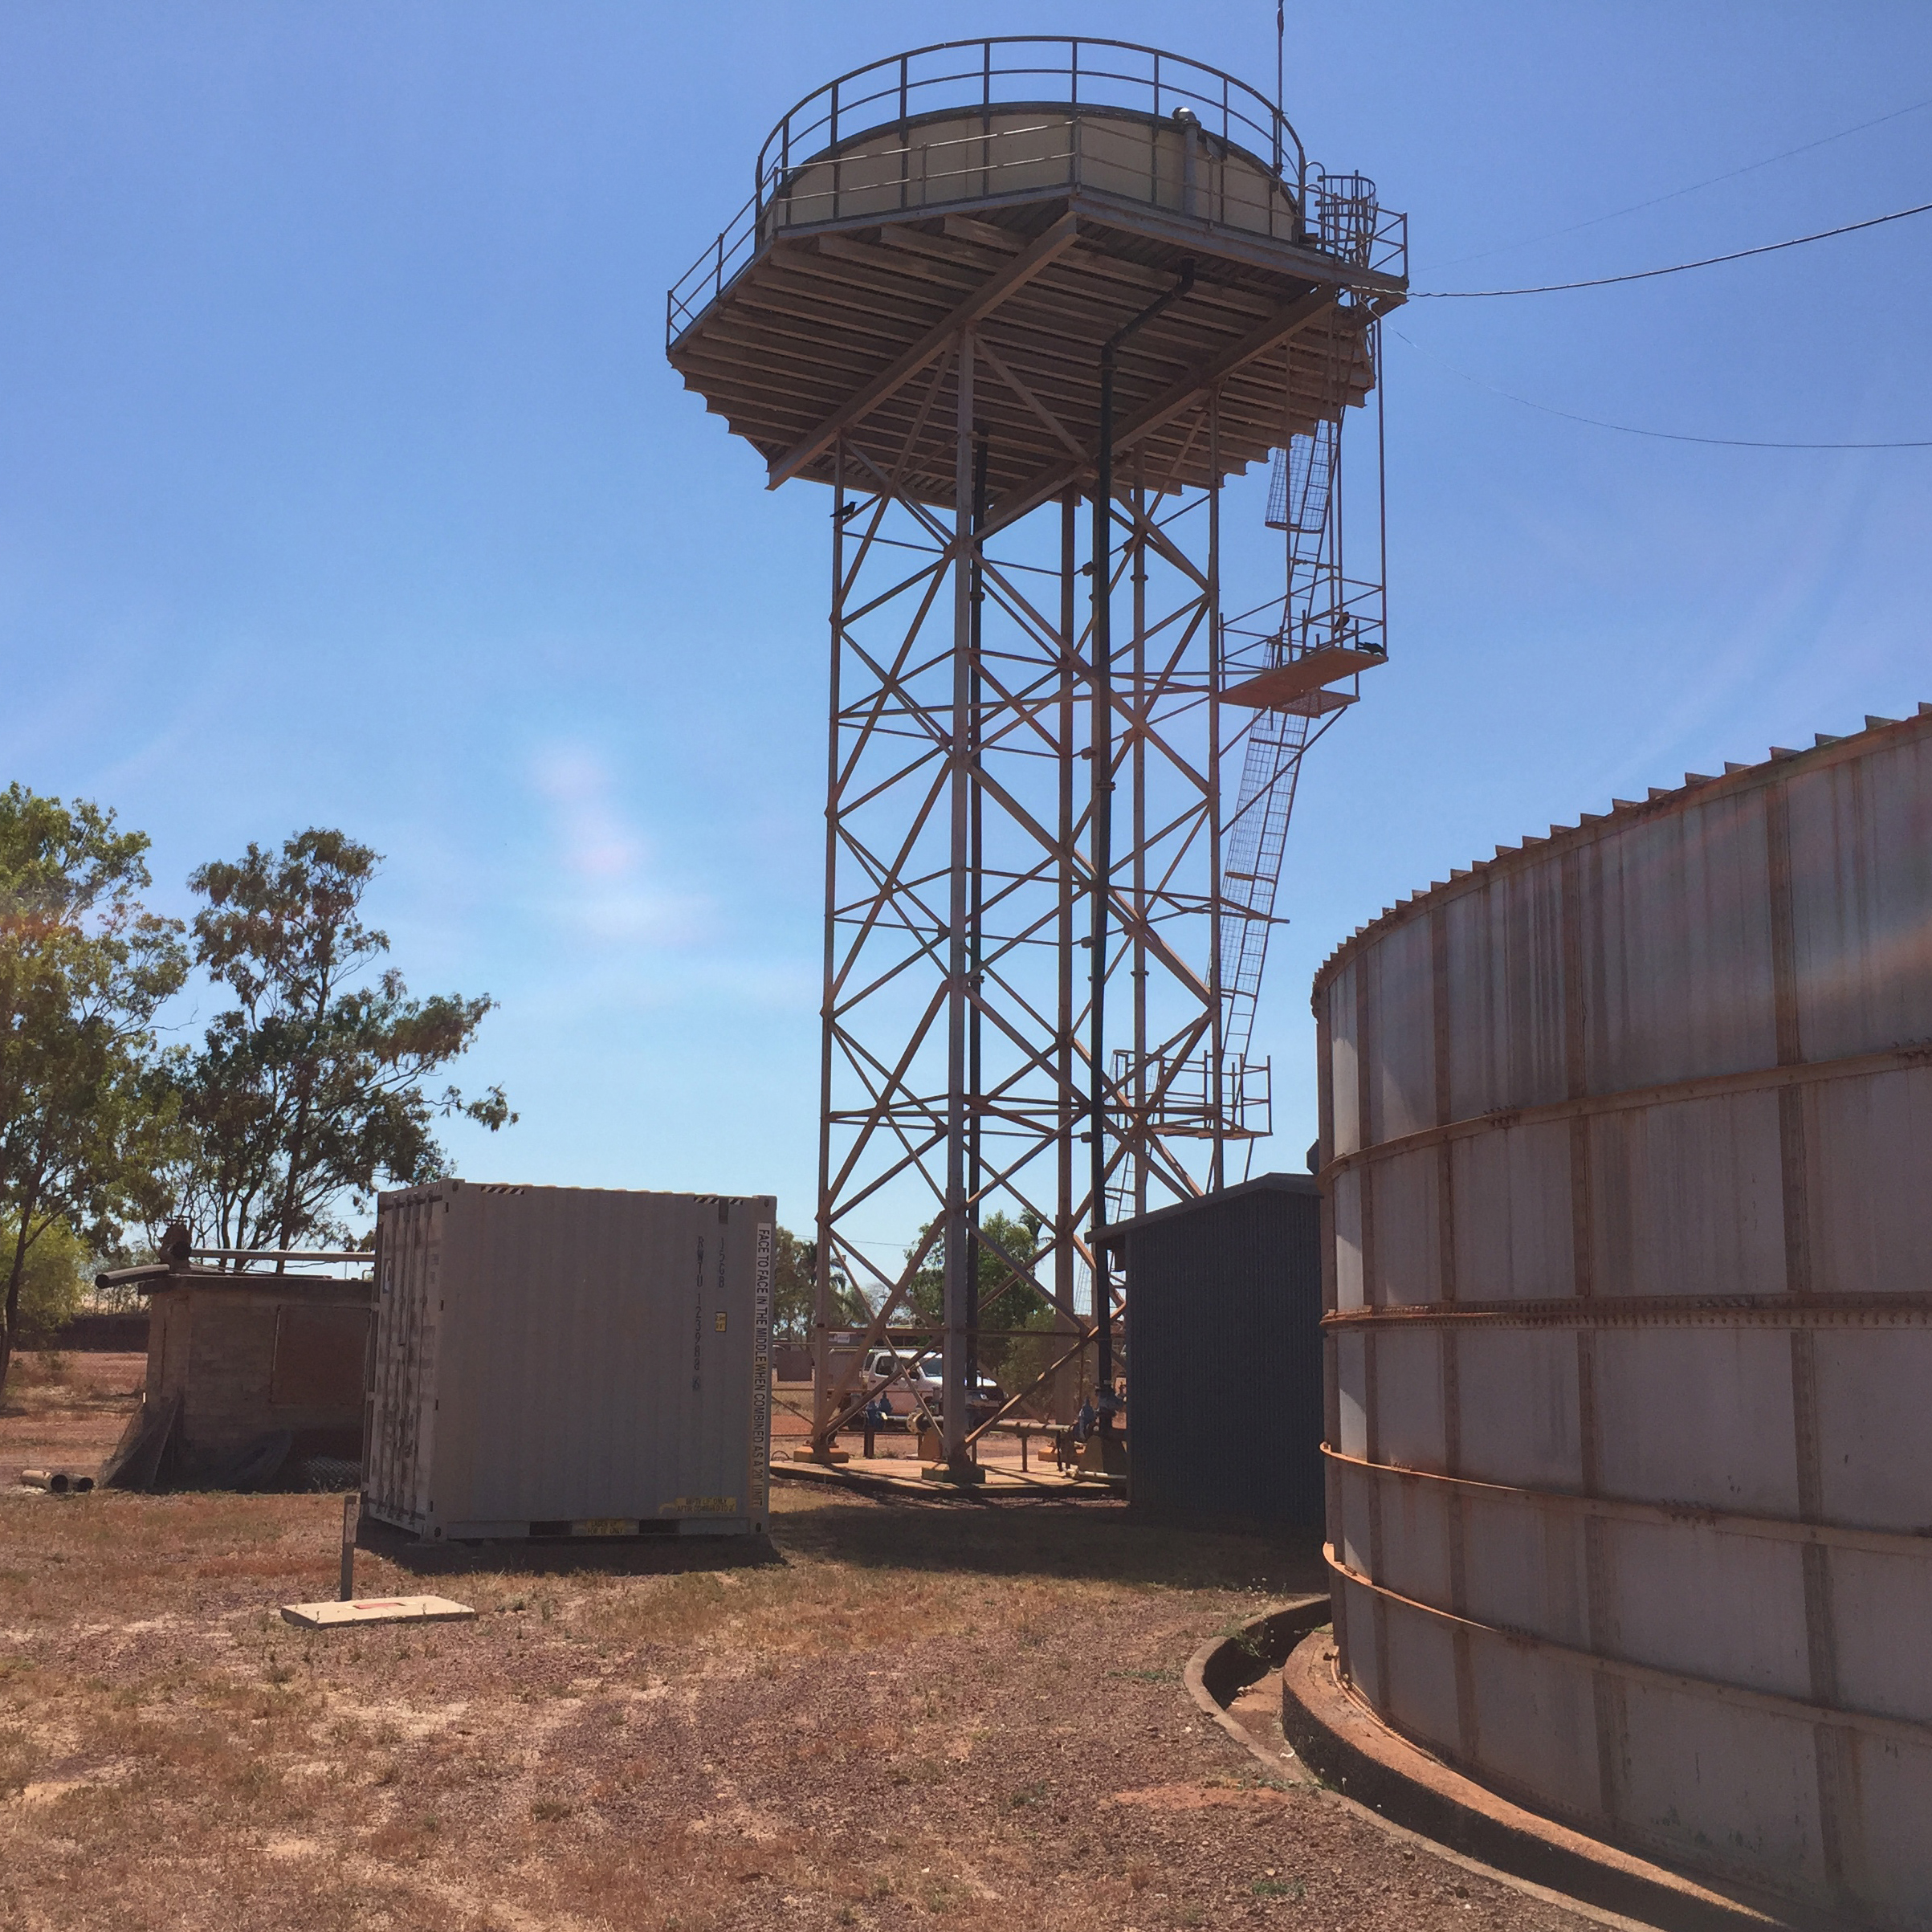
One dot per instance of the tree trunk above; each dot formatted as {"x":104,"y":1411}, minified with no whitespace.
{"x":297,"y":1148}
{"x":12,"y":1307}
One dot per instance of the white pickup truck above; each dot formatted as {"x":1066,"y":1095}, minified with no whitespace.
{"x":919,"y":1378}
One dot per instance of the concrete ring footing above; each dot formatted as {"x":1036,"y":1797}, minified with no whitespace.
{"x":1350,"y":1758}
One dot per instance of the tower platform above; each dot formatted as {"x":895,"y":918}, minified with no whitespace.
{"x":1045,"y":224}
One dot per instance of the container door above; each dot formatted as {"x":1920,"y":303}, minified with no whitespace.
{"x":402,"y":1416}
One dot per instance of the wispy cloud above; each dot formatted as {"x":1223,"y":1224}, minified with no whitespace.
{"x":608,"y":880}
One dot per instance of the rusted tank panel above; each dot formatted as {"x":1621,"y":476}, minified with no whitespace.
{"x":1627,"y":1163}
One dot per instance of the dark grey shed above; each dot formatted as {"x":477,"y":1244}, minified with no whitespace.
{"x":1225,"y":1353}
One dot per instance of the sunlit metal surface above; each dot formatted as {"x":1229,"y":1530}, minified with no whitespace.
{"x":1626,"y":1139}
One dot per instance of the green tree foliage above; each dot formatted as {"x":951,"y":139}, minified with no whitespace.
{"x":794,"y":1276}
{"x":1010,"y":1297}
{"x":85,"y":1109}
{"x":308,"y":1092}
{"x":59,"y":1270}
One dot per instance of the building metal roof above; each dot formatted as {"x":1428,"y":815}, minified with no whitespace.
{"x":153,"y":1277}
{"x":1262,"y":1183}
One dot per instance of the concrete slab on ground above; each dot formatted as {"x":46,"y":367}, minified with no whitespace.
{"x":377,"y":1610}
{"x":904,"y":1472}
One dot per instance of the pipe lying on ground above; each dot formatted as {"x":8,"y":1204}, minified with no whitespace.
{"x":59,"y":1481}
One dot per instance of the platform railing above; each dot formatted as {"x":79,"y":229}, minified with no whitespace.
{"x":1347,"y":613}
{"x":1350,"y":225}
{"x":1025,"y":70}
{"x":1182,"y":1099}
{"x":1016,"y":70}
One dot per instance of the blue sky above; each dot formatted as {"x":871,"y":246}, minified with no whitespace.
{"x":343,"y":481}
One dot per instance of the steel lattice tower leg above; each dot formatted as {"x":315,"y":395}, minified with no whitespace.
{"x":957,"y":1069}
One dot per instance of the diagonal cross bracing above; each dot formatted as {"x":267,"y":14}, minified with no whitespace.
{"x":959,"y":854}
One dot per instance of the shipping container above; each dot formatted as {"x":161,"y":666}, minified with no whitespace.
{"x":1223,"y":1311}
{"x":570,"y":1362}
{"x":1627,"y":1143}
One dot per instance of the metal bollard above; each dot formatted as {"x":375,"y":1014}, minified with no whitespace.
{"x":352,"y":1513}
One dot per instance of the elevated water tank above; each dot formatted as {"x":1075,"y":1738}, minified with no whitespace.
{"x":1627,"y":1145}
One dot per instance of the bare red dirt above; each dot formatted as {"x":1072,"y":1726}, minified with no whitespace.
{"x":65,"y":1411}
{"x":891,"y":1715}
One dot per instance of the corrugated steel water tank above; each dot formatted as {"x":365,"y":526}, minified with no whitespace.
{"x":1224,"y":1367}
{"x":570,"y":1361}
{"x":1627,"y":1139}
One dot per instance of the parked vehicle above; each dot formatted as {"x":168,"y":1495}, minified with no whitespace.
{"x":921,"y":1379}
{"x":917,"y":1377}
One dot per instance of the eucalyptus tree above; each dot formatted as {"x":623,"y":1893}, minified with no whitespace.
{"x":795,"y":1290}
{"x":308,"y":1092}
{"x":87,"y":1109}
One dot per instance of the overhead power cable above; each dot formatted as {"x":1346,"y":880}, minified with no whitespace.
{"x":1656,"y":201}
{"x":1624,"y":429}
{"x":1675,"y":268}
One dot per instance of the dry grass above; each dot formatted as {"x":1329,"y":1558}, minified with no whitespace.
{"x":889,"y":1716}
{"x":65,"y":1411}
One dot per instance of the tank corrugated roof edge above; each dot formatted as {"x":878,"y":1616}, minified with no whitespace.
{"x":1825,"y":750}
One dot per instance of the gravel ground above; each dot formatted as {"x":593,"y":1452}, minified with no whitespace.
{"x":892,"y":1714}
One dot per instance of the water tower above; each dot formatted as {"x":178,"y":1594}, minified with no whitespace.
{"x":1023,"y":306}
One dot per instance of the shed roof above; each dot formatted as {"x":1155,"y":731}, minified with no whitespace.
{"x":1262,"y":1184}
{"x":157,"y":1278}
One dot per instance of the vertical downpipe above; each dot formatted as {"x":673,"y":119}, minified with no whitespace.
{"x":1335,"y":1524}
{"x":1073,"y":125}
{"x":1281,"y":63}
{"x":1217,"y":1019}
{"x":1101,"y":752}
{"x":986,"y":117}
{"x":959,"y":1260}
{"x":1141,"y":1135}
{"x":1367,"y":1120}
{"x":1065,"y":1227}
{"x":905,"y":136}
{"x":822,"y":1272}
{"x":1375,"y":370}
{"x":975,"y":862}
{"x":832,"y":145}
{"x":1101,"y":829}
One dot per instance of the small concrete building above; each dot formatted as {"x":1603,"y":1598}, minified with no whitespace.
{"x":249,"y":1356}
